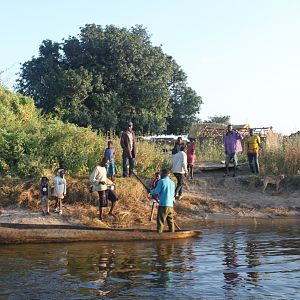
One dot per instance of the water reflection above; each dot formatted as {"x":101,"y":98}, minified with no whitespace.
{"x":235,"y":262}
{"x":120,"y":267}
{"x":252,"y":258}
{"x":231,"y":275}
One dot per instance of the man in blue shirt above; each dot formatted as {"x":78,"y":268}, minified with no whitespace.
{"x":165,"y":190}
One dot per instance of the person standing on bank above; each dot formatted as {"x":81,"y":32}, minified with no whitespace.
{"x":165,"y":191}
{"x":191,"y":159}
{"x":179,"y":143}
{"x":60,"y":189}
{"x":110,"y":155}
{"x":232,"y":146}
{"x":128,"y":145}
{"x":179,"y":168}
{"x":45,"y":192}
{"x":98,"y":178}
{"x":253,"y":144}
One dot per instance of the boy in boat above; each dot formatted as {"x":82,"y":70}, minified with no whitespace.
{"x":165,"y":191}
{"x":110,"y":155}
{"x":60,"y":189}
{"x":45,"y":195}
{"x":100,"y":181}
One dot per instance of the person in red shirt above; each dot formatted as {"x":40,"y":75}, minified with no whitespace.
{"x":191,"y":146}
{"x":191,"y":159}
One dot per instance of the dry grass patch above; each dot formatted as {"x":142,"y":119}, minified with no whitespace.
{"x":132,"y":208}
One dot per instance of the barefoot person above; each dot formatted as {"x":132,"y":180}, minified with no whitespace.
{"x":100,"y":181}
{"x":232,"y":146}
{"x":60,"y":189}
{"x":45,"y":192}
{"x":191,"y":159}
{"x":165,"y":191}
{"x":129,"y":149}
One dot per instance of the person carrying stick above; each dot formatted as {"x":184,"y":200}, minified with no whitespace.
{"x":165,"y":191}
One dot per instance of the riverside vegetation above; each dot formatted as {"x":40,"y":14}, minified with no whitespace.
{"x":32,"y":145}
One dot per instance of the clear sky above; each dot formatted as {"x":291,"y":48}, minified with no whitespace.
{"x":241,"y":56}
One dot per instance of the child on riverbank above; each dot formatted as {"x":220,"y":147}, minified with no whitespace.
{"x":155,"y":181}
{"x":110,"y":155}
{"x":45,"y":195}
{"x":60,"y":189}
{"x":191,"y":159}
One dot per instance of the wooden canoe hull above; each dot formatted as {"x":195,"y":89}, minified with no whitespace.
{"x":36,"y":233}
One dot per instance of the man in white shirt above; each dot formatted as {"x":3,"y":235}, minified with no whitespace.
{"x":179,"y":168}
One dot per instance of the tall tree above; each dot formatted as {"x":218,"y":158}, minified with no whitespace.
{"x":107,"y":76}
{"x":218,"y":119}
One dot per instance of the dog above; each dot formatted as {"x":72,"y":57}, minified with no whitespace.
{"x":273,"y":179}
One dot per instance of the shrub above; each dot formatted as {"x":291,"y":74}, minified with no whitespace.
{"x":32,"y":144}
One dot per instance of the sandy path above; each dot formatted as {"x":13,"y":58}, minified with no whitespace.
{"x":243,"y":190}
{"x":27,"y":216}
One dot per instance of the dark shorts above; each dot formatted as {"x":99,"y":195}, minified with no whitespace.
{"x":104,"y":196}
{"x":102,"y":199}
{"x":111,"y":195}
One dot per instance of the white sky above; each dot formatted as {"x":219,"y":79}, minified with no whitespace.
{"x":242,"y":57}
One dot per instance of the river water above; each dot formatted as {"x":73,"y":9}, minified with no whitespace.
{"x":232,"y":260}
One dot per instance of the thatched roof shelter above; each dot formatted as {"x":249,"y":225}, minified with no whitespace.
{"x":211,"y":130}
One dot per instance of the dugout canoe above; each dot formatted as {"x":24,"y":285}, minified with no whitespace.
{"x":11,"y":233}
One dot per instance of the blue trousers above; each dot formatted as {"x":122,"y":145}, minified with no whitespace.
{"x":253,"y":162}
{"x":131,"y":166}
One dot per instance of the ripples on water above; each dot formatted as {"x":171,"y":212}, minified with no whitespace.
{"x":240,"y":261}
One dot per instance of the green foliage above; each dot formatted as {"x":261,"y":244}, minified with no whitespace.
{"x":31,"y":144}
{"x":218,"y":119}
{"x":185,"y":104}
{"x":34,"y":145}
{"x":107,"y":76}
{"x":210,"y":149}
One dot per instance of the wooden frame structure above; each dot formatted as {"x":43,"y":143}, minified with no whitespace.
{"x":213,"y":130}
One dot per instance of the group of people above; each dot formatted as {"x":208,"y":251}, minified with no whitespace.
{"x":183,"y":161}
{"x":233,"y":145}
{"x":59,"y":192}
{"x":107,"y":168}
{"x":163,"y":189}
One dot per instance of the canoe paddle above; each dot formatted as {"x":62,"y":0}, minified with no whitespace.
{"x":142,"y":182}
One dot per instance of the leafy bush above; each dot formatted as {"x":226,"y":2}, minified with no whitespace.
{"x":32,"y":144}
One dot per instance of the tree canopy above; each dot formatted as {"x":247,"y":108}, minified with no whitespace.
{"x":105,"y":77}
{"x":218,"y":119}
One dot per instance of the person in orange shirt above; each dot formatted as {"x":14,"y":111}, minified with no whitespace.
{"x":253,"y":145}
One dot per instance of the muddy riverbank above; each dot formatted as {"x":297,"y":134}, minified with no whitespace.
{"x":209,"y":196}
